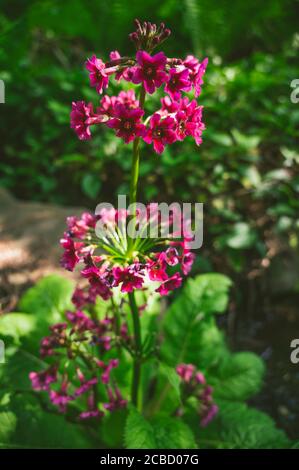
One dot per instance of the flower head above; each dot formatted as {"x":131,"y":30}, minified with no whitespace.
{"x":82,"y":117}
{"x":127,"y":123}
{"x":162,"y":132}
{"x":170,"y":284}
{"x":129,"y":278}
{"x":42,"y":380}
{"x":97,"y":75}
{"x":150,"y":70}
{"x":130,"y":270}
{"x":178,"y":81}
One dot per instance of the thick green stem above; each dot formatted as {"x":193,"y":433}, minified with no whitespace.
{"x":135,"y":392}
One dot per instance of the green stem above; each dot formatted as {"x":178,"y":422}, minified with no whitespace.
{"x":135,"y":170}
{"x":136,"y":157}
{"x":135,"y":392}
{"x":132,"y":301}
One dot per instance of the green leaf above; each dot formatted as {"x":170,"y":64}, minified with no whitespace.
{"x":237,"y":376}
{"x":242,"y":236}
{"x":91,"y":185}
{"x":172,"y":378}
{"x":37,"y":428}
{"x":8,"y":422}
{"x":17,"y":325}
{"x":171,"y":433}
{"x":160,"y":433}
{"x":190,"y":332}
{"x":49,"y":298}
{"x":238,"y":426}
{"x":17,"y":369}
{"x":112,"y":428}
{"x":139,"y":434}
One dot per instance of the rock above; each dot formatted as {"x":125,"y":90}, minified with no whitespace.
{"x":29,"y":244}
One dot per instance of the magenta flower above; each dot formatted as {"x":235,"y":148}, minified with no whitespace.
{"x":170,"y":284}
{"x":80,"y":227}
{"x":189,"y":120}
{"x":98,"y":280}
{"x":187,"y":262}
{"x":80,"y":321}
{"x":200,"y":378}
{"x":42,"y":380}
{"x":169,"y":106}
{"x":128,"y":278}
{"x":186,"y":372}
{"x":116,"y":400}
{"x":107,"y":105}
{"x":150,"y":70}
{"x":123,"y":71}
{"x":105,"y":377}
{"x":172,"y":256}
{"x":198,"y":79}
{"x":127,"y":123}
{"x":91,"y":414}
{"x":97,"y":75}
{"x":85,"y":386}
{"x":162,"y":132}
{"x":209,"y":415}
{"x":60,"y":398}
{"x":178,"y":81}
{"x":157,"y":269}
{"x":70,"y":256}
{"x":192,"y":64}
{"x":128,"y":99}
{"x":82,"y":116}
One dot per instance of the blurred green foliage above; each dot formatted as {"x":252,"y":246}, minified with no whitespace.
{"x":246,"y":170}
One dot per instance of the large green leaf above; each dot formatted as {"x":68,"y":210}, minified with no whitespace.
{"x":18,"y":365}
{"x":30,"y":426}
{"x":49,"y":298}
{"x":171,"y":433}
{"x":7,"y":425}
{"x":160,"y":433}
{"x":238,"y":426}
{"x":190,"y":332}
{"x":44,"y":304}
{"x":17,"y":325}
{"x":139,"y":434}
{"x":237,"y":376}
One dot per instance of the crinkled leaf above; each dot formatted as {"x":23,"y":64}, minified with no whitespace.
{"x":237,"y":376}
{"x":160,"y":433}
{"x":8,"y":422}
{"x":238,"y":426}
{"x":139,"y":434}
{"x":36,"y":428}
{"x":49,"y":298}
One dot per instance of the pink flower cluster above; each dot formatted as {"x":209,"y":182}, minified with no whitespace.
{"x":76,"y":337}
{"x":194,"y":384}
{"x":178,"y":118}
{"x":106,"y":265}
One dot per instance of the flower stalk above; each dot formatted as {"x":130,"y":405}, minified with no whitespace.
{"x":135,"y":390}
